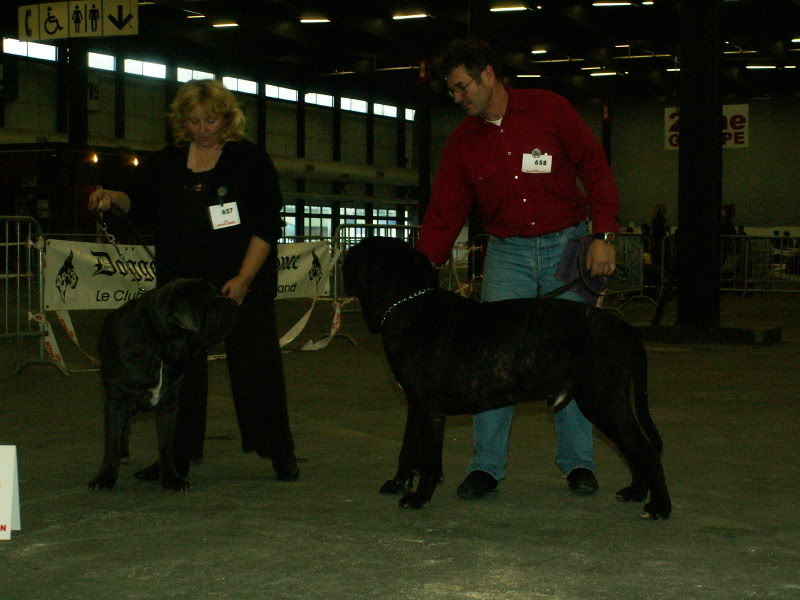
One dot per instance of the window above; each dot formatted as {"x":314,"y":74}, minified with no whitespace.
{"x":354,"y":105}
{"x":244,"y":86}
{"x":147,"y":69}
{"x":410,"y":114}
{"x":289,"y":223}
{"x":106,"y":62}
{"x":281,"y":93}
{"x":320,"y":99}
{"x":385,"y":110}
{"x":353,"y":216}
{"x":29,"y":49}
{"x":189,"y":74}
{"x":317,"y":222}
{"x":384,"y":216}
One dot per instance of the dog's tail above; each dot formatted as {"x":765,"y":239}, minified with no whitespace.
{"x":640,"y":401}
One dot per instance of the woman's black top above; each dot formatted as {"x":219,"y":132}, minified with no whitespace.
{"x":166,"y":194}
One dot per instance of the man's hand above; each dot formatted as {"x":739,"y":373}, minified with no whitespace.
{"x":601,"y":258}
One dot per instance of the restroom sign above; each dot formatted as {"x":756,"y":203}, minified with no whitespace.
{"x":734,"y":127}
{"x":87,"y":18}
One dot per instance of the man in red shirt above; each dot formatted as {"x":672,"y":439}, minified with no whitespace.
{"x":517,"y":157}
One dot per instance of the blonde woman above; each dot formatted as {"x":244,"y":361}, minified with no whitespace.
{"x":214,"y":203}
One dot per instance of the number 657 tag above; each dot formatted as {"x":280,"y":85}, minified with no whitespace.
{"x":224,"y":215}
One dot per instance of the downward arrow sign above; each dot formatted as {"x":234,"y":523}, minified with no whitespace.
{"x":118,"y":21}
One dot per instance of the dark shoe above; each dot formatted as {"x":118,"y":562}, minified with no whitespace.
{"x":582,"y":482}
{"x":476,"y":485}
{"x":286,"y":469}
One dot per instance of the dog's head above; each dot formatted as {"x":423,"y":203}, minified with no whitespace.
{"x":190,"y":316}
{"x":379,"y":271}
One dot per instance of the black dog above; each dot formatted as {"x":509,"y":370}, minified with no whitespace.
{"x":453,"y":355}
{"x":142,"y":347}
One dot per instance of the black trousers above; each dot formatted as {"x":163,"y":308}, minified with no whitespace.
{"x":255,"y":367}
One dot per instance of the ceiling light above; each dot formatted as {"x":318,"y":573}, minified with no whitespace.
{"x":603,"y":74}
{"x":408,"y":68}
{"x":590,"y":68}
{"x":789,"y":66}
{"x":674,"y":70}
{"x":538,"y":51}
{"x":225,"y":24}
{"x":761,"y":67}
{"x":194,"y":15}
{"x":528,"y":75}
{"x":622,"y":46}
{"x":411,"y":16}
{"x":508,"y":8}
{"x":317,"y":20}
{"x":603,"y":3}
{"x":560,"y":60}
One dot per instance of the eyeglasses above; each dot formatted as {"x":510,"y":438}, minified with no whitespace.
{"x":459,"y":88}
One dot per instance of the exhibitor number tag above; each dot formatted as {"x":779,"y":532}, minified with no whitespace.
{"x":224,"y":215}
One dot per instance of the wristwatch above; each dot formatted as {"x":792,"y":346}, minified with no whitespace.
{"x":605,"y":236}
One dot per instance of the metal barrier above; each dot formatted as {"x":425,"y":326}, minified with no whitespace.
{"x":22,"y":273}
{"x":747,"y":264}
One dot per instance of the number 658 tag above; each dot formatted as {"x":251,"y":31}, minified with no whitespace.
{"x":224,"y":215}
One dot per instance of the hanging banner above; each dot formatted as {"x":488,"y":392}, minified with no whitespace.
{"x":734,"y":127}
{"x":90,"y":276}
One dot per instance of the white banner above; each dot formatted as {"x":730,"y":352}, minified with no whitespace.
{"x":87,"y":275}
{"x":734,"y":127}
{"x":9,"y":492}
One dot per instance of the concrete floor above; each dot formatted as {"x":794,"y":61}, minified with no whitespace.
{"x":728,"y":416}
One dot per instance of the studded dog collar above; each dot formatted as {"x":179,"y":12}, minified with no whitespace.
{"x":401,"y":301}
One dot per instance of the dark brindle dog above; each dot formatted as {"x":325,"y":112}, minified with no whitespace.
{"x":142,"y":347}
{"x":453,"y":355}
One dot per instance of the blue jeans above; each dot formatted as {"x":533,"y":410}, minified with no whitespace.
{"x":525,"y":268}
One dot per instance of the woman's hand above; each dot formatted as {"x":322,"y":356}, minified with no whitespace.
{"x":236,"y":289}
{"x":102,"y":200}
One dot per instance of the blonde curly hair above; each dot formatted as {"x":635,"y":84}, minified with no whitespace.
{"x":217,"y":98}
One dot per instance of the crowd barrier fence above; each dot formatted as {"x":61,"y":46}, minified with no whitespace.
{"x":22,"y":273}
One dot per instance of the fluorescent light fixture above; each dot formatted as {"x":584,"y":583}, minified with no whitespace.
{"x":590,"y":68}
{"x":195,"y":16}
{"x":611,"y":3}
{"x":603,"y":74}
{"x":508,"y":9}
{"x":761,"y":67}
{"x":559,"y":60}
{"x":789,"y":66}
{"x":622,"y":46}
{"x":408,"y":68}
{"x":529,"y":75}
{"x":319,"y":20}
{"x":225,"y":25}
{"x":674,"y":70}
{"x":740,"y":51}
{"x":538,"y":51}
{"x":796,"y":40}
{"x":411,"y":16}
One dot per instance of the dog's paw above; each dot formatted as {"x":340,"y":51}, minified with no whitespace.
{"x":102,"y":481}
{"x":655,"y":512}
{"x":631,"y":494}
{"x":176,"y":484}
{"x":393,"y":486}
{"x":413,"y":500}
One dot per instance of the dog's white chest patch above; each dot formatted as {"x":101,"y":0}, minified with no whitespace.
{"x":155,"y":391}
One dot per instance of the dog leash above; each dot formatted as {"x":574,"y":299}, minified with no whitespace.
{"x":620,"y":271}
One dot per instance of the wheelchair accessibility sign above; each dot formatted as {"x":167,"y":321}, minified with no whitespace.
{"x":87,"y":18}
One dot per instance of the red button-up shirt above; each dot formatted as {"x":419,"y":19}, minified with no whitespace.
{"x":482,"y":162}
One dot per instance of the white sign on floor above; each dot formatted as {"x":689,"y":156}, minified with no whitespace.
{"x":9,"y":492}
